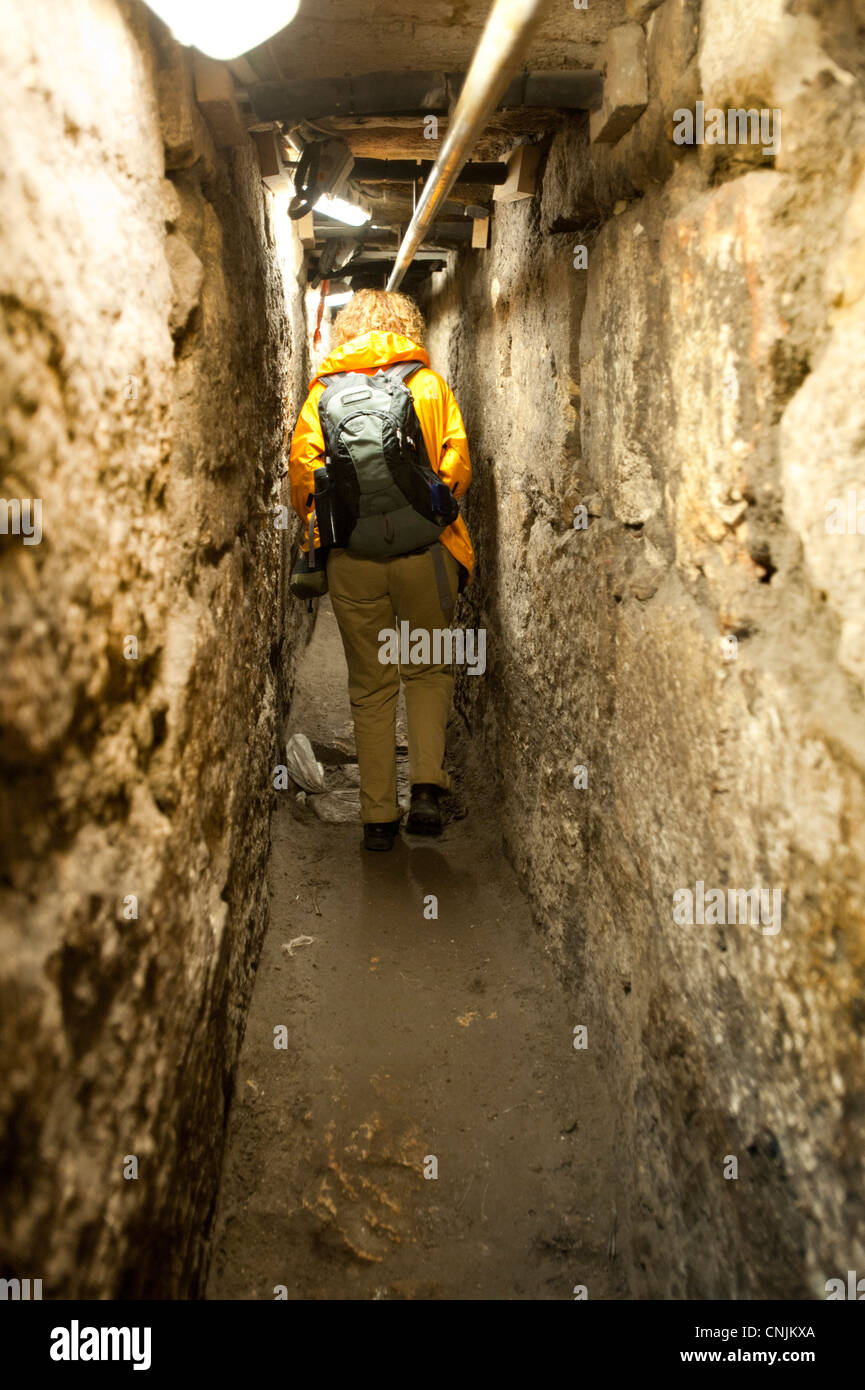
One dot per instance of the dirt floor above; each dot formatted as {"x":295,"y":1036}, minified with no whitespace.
{"x":416,"y":1045}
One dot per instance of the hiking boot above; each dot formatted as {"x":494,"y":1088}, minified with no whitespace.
{"x":424,"y":817}
{"x":380,"y":834}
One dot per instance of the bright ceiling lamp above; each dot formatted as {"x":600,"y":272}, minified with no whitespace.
{"x":342,"y":210}
{"x":225,"y":28}
{"x":333,"y":300}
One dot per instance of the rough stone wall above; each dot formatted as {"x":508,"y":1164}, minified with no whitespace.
{"x":698,"y":388}
{"x":150,"y":367}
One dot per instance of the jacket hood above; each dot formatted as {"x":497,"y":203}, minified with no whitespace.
{"x":371,"y":350}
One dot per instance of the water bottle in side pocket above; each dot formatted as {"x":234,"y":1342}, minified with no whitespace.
{"x":443,"y":503}
{"x":326,"y":510}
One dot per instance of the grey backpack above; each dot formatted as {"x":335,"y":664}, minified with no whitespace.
{"x":385,"y":497}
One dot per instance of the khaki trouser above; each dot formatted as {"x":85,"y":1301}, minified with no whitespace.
{"x":369,"y":596}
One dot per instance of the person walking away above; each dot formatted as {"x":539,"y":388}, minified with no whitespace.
{"x":405,"y":552}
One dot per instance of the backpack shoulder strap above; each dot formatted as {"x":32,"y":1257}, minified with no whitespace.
{"x":401,"y":371}
{"x":330,"y":383}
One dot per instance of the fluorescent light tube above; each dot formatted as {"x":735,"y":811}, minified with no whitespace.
{"x":342,"y":210}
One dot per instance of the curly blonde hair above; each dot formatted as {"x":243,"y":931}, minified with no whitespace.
{"x":378,"y":311}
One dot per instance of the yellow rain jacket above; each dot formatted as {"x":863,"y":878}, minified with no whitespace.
{"x":440,"y":421}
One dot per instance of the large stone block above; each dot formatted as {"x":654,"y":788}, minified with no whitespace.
{"x":823,"y":467}
{"x":672,"y":39}
{"x":626,"y":87}
{"x":779,"y":59}
{"x":187,"y":277}
{"x":214,"y":92}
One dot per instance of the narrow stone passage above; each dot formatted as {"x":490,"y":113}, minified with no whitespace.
{"x":408,"y":1039}
{"x":632,"y":241}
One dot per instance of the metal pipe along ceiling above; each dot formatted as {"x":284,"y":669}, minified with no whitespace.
{"x":400,"y":93}
{"x":498,"y":55}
